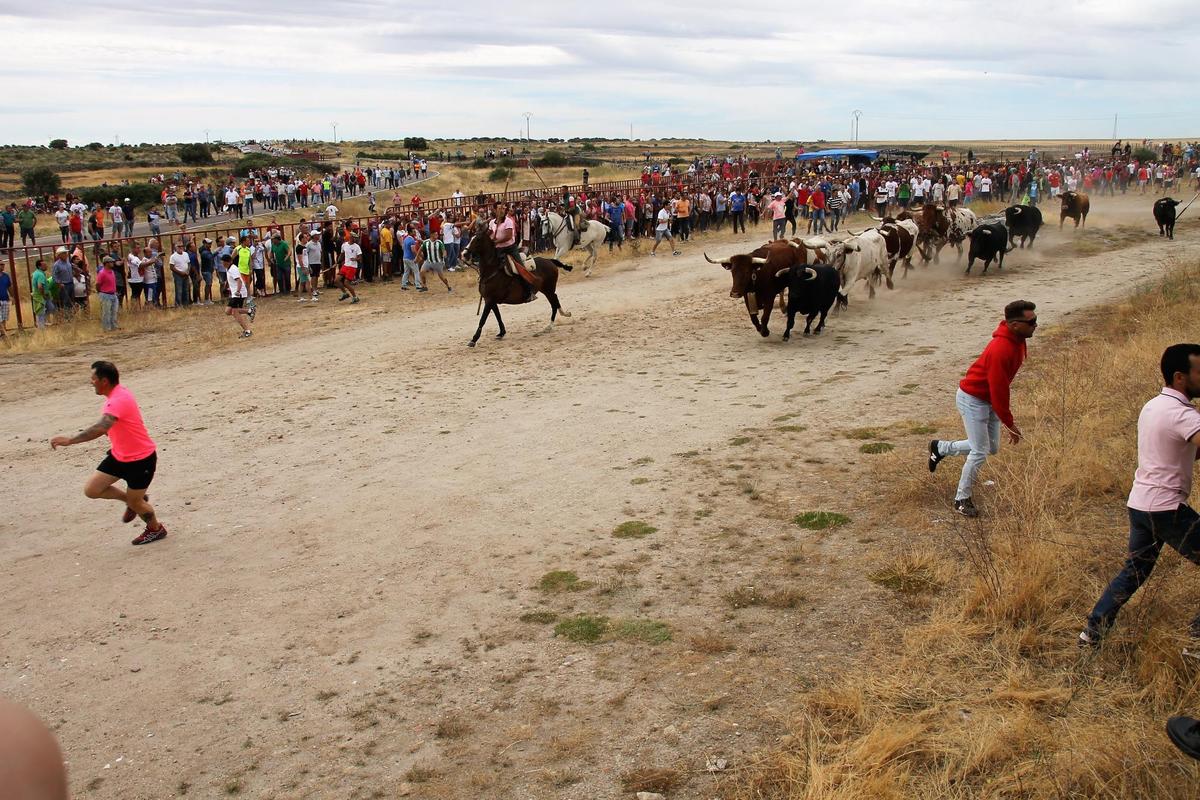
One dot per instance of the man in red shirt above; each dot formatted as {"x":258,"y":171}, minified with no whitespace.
{"x":982,"y":401}
{"x":133,"y":457}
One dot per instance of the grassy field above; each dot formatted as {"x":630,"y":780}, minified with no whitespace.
{"x":987,"y":694}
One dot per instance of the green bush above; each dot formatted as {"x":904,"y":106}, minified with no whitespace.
{"x":415,"y":143}
{"x":58,"y":144}
{"x":588,"y":147}
{"x":41,"y":180}
{"x":500,"y":174}
{"x":552,"y":158}
{"x":195,"y":154}
{"x":95,"y":146}
{"x":1144,"y":154}
{"x":140,"y":194}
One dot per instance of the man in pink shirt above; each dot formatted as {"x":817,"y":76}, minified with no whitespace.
{"x":1168,"y":433}
{"x":133,"y":457}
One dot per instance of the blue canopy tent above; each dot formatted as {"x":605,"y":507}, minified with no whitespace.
{"x":869,"y":155}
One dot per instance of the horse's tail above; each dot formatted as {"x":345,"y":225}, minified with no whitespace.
{"x":561,"y":265}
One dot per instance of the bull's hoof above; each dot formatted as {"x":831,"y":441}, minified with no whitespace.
{"x":765,"y":333}
{"x":500,"y":335}
{"x":470,"y":344}
{"x":806,"y":333}
{"x":786,"y":336}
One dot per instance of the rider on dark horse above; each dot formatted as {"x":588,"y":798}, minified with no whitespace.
{"x":503,"y":232}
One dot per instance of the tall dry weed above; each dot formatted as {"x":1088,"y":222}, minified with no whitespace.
{"x":989,"y":696}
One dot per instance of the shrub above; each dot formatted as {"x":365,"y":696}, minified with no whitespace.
{"x":583,"y":628}
{"x":500,"y":174}
{"x":41,"y":180}
{"x":415,"y":143}
{"x":140,"y":194}
{"x":58,"y":144}
{"x":588,"y":147}
{"x":95,"y":146}
{"x":820,"y":520}
{"x":195,"y":154}
{"x":1144,"y":154}
{"x":552,"y":158}
{"x":633,"y":529}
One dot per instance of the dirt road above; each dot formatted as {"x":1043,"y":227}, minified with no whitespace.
{"x":360,"y":519}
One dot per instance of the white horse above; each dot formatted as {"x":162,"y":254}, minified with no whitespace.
{"x":564,"y":239}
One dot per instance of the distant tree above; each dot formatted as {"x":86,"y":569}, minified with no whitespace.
{"x":95,"y":146}
{"x":195,"y":154}
{"x":1144,"y":154}
{"x":588,"y":147}
{"x":500,"y":174}
{"x":58,"y":144}
{"x":552,"y":158}
{"x":41,"y":180}
{"x":415,"y":143}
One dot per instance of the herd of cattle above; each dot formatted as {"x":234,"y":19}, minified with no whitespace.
{"x":815,"y":273}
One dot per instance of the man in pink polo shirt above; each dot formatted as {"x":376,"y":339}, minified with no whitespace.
{"x":133,"y":457}
{"x":1168,"y":433}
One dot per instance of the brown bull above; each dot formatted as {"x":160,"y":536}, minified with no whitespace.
{"x":899,"y":239}
{"x":1076,"y":206}
{"x":756,"y":276}
{"x":933,"y":228}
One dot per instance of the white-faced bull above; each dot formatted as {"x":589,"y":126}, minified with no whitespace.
{"x":755,"y":277}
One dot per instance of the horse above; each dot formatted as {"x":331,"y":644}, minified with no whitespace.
{"x":564,"y":239}
{"x":497,"y":287}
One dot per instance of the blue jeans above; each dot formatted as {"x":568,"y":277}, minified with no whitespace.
{"x":411,"y":270}
{"x":1148,"y":531}
{"x":451,"y":254}
{"x":108,"y":311}
{"x":983,"y":439}
{"x":183,"y":287}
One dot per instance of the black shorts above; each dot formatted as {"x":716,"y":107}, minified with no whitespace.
{"x":237,"y":302}
{"x":136,"y":474}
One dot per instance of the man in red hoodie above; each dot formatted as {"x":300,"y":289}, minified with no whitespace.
{"x":983,"y":401}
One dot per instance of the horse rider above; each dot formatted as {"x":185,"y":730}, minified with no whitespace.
{"x":503,"y":232}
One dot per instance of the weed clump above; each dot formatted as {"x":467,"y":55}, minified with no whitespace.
{"x":820,"y":520}
{"x":633,"y":529}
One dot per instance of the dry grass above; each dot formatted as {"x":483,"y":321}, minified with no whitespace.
{"x":989,"y":695}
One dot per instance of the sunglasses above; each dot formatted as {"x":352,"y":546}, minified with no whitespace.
{"x":1030,"y":322}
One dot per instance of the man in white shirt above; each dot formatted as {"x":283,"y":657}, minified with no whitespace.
{"x":133,"y":276}
{"x":663,"y":231}
{"x":180,"y":264}
{"x":331,"y":211}
{"x":237,"y":296}
{"x":351,"y":252}
{"x":985,"y":189}
{"x":61,"y":216}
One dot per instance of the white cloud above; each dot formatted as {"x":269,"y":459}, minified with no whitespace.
{"x":940,"y":70}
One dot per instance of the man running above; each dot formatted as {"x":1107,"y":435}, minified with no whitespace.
{"x":132,"y":458}
{"x":982,"y":400}
{"x":239,"y":288}
{"x":351,"y":252}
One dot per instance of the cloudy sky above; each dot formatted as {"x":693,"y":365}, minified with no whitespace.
{"x":164,"y":72}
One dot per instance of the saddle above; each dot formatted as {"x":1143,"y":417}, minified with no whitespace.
{"x":523,"y":268}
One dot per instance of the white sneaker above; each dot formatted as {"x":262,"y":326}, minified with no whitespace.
{"x":302,"y":300}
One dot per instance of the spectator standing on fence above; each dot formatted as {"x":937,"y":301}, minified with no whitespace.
{"x":64,"y":281}
{"x":180,"y":267}
{"x":281,"y":263}
{"x":1168,"y":433}
{"x":5,"y":300}
{"x":39,"y":293}
{"x":106,"y":290}
{"x":409,"y":247}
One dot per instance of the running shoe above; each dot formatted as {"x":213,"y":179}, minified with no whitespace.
{"x":247,"y":334}
{"x":344,"y":296}
{"x":449,"y":289}
{"x":253,"y":312}
{"x":129,"y":514}
{"x":677,"y":253}
{"x":355,"y":300}
{"x":934,"y":456}
{"x":966,"y":507}
{"x":1088,"y":639}
{"x":149,"y":536}
{"x":423,"y":289}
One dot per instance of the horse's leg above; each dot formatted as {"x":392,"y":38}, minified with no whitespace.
{"x":487,"y":309}
{"x":499,"y":321}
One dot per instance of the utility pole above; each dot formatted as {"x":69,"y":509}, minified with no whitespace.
{"x":206,"y":131}
{"x":1114,"y":127}
{"x":527,"y":115}
{"x":631,"y":131}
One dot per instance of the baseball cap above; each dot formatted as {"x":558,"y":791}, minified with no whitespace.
{"x":107,"y":260}
{"x":60,"y":250}
{"x":206,"y":240}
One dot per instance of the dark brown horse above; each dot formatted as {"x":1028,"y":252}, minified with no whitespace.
{"x":497,"y":287}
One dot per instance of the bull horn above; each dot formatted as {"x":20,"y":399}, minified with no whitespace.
{"x":781,"y":273}
{"x":793,"y":244}
{"x":758,"y":261}
{"x":811,"y":273}
{"x":709,"y":260}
